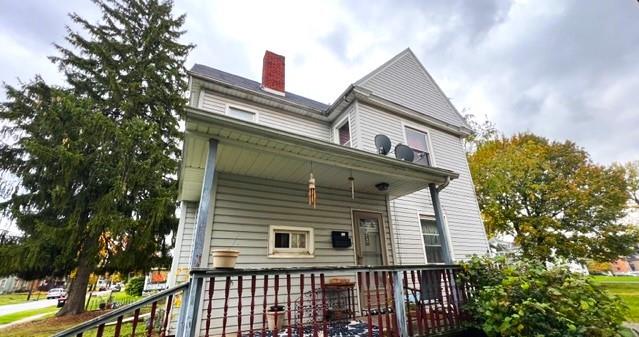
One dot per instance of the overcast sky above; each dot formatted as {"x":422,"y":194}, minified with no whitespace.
{"x":561,"y":69}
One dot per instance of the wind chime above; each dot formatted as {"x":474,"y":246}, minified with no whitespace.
{"x":312,"y":193}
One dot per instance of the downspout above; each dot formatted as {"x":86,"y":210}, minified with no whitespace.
{"x":444,"y":185}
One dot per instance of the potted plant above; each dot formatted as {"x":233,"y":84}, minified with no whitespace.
{"x":275,"y":317}
{"x":225,"y":258}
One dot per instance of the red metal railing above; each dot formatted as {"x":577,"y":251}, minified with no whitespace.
{"x":329,"y":301}
{"x":292,"y":302}
{"x":150,"y":316}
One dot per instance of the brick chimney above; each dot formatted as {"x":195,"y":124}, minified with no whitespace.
{"x":273,"y":73}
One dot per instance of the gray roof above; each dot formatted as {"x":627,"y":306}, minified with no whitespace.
{"x":245,"y":83}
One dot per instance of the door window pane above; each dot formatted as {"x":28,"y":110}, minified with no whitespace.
{"x":370,"y":242}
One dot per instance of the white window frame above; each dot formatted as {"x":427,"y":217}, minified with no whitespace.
{"x":420,"y":216}
{"x":308,"y":252}
{"x":336,"y":128}
{"x":421,"y":128}
{"x":243,"y":108}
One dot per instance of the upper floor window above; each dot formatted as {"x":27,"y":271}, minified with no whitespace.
{"x":418,"y":141}
{"x":343,"y":133}
{"x":432,"y":240}
{"x":241,"y":114}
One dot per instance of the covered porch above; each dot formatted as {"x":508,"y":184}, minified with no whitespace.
{"x":250,"y":186}
{"x":252,"y":177}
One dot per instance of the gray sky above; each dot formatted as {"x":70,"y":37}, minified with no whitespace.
{"x":561,"y":69}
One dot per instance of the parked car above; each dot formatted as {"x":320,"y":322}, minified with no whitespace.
{"x":56,"y":293}
{"x":62,"y":300}
{"x":115,"y":287}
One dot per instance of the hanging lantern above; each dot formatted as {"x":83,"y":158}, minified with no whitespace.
{"x":352,"y":180}
{"x":312,"y":194}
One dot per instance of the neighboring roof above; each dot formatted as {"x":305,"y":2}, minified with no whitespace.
{"x":404,"y":80}
{"x":245,"y":83}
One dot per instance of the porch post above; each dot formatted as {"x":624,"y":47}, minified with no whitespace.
{"x":399,"y":305}
{"x":192,"y":301}
{"x":439,"y":220}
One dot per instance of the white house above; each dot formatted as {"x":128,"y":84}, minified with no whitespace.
{"x":251,"y":147}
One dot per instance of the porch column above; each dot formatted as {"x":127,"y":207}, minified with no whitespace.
{"x":189,"y":312}
{"x":439,"y":220}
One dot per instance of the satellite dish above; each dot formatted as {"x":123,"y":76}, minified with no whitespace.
{"x":403,"y":152}
{"x":383,"y":144}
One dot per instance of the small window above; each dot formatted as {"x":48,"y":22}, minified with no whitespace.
{"x":241,"y":114}
{"x":343,"y":133}
{"x":432,"y":240}
{"x":418,"y":142}
{"x":285,"y":241}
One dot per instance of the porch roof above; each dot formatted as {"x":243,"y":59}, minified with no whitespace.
{"x":255,"y":150}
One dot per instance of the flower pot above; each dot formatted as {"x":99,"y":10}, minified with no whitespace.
{"x":225,"y":258}
{"x":270,"y":319}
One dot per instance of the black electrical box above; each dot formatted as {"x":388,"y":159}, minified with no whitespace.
{"x":340,"y":239}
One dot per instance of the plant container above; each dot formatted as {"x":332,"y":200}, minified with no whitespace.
{"x":225,"y":258}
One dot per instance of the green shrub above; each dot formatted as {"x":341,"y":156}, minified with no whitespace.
{"x":524,"y":298}
{"x":135,"y":286}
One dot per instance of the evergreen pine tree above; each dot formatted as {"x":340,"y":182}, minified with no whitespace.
{"x":98,"y":162}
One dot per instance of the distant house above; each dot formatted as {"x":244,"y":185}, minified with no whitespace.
{"x":12,"y":284}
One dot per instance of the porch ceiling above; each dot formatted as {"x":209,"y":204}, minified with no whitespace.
{"x":258,"y":151}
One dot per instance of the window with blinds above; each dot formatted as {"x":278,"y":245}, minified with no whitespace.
{"x":432,"y":240}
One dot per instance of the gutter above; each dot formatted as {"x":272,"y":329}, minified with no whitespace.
{"x":444,"y":185}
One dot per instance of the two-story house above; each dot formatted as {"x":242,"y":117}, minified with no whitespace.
{"x":251,"y":147}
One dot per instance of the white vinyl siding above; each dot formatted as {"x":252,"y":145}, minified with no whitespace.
{"x":184,"y":242}
{"x":405,"y":81}
{"x":459,"y":203}
{"x":245,"y":207}
{"x":289,"y":122}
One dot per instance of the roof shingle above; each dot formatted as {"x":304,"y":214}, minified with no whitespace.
{"x":248,"y":84}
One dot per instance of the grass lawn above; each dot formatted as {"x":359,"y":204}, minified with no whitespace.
{"x":5,"y":319}
{"x":627,"y":288}
{"x":48,"y":326}
{"x":16,"y":298}
{"x":121,"y":298}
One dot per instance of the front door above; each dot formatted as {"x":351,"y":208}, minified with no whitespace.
{"x":369,"y":247}
{"x":369,"y":242}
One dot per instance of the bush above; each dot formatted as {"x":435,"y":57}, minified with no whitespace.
{"x":524,"y":298}
{"x":135,"y":286}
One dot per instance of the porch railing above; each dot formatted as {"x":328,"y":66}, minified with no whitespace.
{"x":150,"y":316}
{"x":416,"y":300}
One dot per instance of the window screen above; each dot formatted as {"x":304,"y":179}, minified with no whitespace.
{"x":418,"y":142}
{"x":432,"y":241}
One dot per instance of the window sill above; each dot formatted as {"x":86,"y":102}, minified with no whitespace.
{"x":290,"y":256}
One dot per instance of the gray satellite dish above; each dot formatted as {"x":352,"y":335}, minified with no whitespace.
{"x":383,"y":144}
{"x":403,"y":152}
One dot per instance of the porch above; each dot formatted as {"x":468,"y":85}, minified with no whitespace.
{"x":323,"y":301}
{"x":240,"y":179}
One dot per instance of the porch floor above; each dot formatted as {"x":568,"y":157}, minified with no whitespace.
{"x":356,"y":328}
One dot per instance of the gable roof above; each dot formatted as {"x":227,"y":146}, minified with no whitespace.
{"x":245,"y":83}
{"x":405,"y":81}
